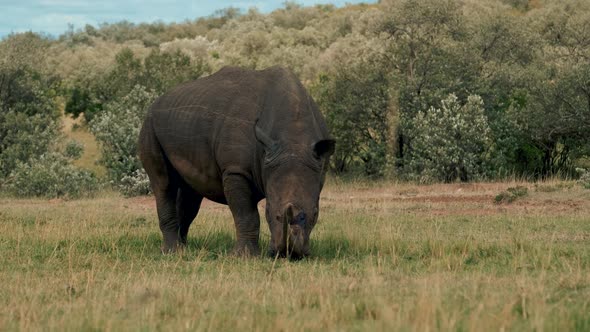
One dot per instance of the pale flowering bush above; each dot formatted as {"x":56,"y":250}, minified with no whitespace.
{"x":135,"y":184}
{"x":295,"y":57}
{"x":349,"y":51}
{"x":117,"y":131}
{"x":198,"y":48}
{"x":448,"y":143}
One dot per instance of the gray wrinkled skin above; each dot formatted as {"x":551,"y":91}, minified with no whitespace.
{"x":237,"y":137}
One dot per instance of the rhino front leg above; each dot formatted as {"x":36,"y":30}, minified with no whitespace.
{"x":243,"y":205}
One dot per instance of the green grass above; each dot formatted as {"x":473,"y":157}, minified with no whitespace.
{"x":386,"y":257}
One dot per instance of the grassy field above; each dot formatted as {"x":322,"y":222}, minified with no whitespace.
{"x":386,"y":256}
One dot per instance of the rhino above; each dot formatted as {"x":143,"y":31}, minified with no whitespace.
{"x":237,"y":137}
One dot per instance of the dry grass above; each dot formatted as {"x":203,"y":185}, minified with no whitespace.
{"x":386,"y":257}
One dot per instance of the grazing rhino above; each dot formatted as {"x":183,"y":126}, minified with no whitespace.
{"x":237,"y":137}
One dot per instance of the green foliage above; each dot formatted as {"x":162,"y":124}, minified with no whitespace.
{"x":74,"y":150}
{"x":30,"y":127}
{"x":50,"y":175}
{"x":355,"y":102}
{"x":81,"y":102}
{"x":23,"y":137}
{"x":28,"y":114}
{"x":556,"y":115}
{"x":527,"y":60}
{"x":117,"y":130}
{"x":163,"y":70}
{"x":448,"y":144}
{"x":159,"y":71}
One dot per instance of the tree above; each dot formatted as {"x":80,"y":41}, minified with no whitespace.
{"x":425,"y":44}
{"x":158,"y":72}
{"x":163,"y":70}
{"x":556,"y":116}
{"x":355,"y":102}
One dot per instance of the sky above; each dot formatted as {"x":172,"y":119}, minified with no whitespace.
{"x":53,"y":16}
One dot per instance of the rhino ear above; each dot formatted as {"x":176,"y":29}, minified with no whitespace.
{"x":324,"y":148}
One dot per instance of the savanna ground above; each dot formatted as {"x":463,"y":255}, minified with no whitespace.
{"x":386,"y":256}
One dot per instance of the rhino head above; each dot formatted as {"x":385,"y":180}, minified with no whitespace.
{"x":293,"y":173}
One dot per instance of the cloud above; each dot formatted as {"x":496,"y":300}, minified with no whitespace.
{"x":51,"y":19}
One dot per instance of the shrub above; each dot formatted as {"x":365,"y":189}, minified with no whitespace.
{"x":24,"y":136}
{"x":135,"y":184}
{"x":28,"y":112}
{"x":74,"y":150}
{"x":449,"y":143}
{"x":584,"y":179}
{"x":51,"y":175}
{"x":511,"y":194}
{"x":117,"y":130}
{"x":80,"y":102}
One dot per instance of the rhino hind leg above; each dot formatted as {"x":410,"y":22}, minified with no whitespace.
{"x":177,"y":207}
{"x":243,"y":206}
{"x":188,"y":202}
{"x":177,"y":203}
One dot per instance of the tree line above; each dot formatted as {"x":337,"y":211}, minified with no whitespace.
{"x":425,"y":90}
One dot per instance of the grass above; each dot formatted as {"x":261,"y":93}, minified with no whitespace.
{"x":385,"y":257}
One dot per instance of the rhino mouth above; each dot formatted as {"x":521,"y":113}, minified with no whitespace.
{"x":290,"y":254}
{"x":292,"y":245}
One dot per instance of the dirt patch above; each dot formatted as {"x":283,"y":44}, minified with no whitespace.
{"x":434,"y":200}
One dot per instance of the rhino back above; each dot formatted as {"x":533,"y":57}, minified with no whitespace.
{"x":206,"y":127}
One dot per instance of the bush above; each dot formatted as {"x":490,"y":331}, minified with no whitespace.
{"x":511,"y":194}
{"x":135,"y":184}
{"x":80,"y":102}
{"x":23,"y":137}
{"x":51,"y":175}
{"x":74,"y":150}
{"x":28,"y":113}
{"x":584,"y":179}
{"x":117,"y":130}
{"x":449,"y":143}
